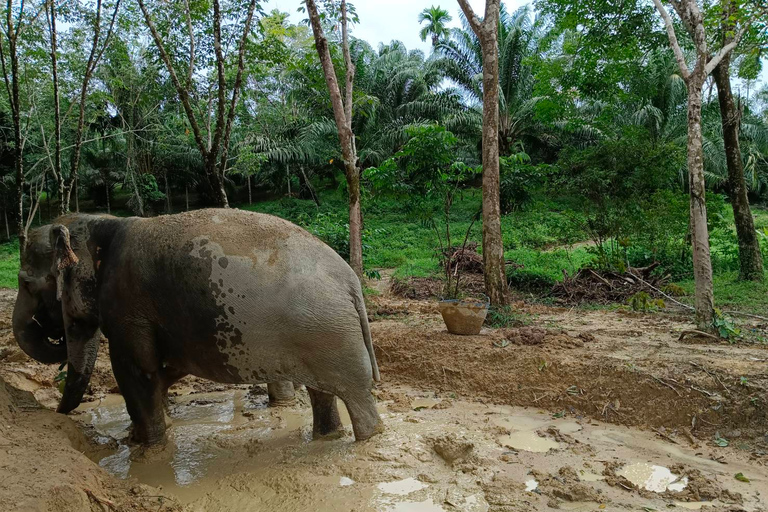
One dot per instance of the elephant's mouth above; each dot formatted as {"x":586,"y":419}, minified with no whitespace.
{"x":53,"y":336}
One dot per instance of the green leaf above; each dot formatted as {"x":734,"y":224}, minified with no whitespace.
{"x":741,"y":478}
{"x":504,"y":343}
{"x":721,"y":441}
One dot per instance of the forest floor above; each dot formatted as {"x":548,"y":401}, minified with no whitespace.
{"x":575,"y":409}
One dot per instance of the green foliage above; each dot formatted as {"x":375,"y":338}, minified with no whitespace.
{"x":725,"y":327}
{"x":505,"y":316}
{"x":642,"y":301}
{"x":9,"y":264}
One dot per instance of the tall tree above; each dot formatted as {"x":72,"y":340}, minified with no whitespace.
{"x":705,"y":62}
{"x":493,"y":247}
{"x":437,"y":20}
{"x":750,"y":258}
{"x":215,"y":150}
{"x":342,"y":114}
{"x":11,"y":33}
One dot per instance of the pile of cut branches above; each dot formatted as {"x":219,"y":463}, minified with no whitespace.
{"x":606,"y":287}
{"x":464,"y":260}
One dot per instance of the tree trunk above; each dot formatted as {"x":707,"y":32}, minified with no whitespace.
{"x":168,"y":208}
{"x":186,"y":195}
{"x":493,"y":246}
{"x":702,"y":264}
{"x":288,"y":178}
{"x":106,"y":191}
{"x":750,"y":258}
{"x":250,"y":196}
{"x":7,"y":228}
{"x":343,"y":116}
{"x":77,"y":195}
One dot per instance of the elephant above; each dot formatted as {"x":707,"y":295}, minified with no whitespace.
{"x":223,"y":294}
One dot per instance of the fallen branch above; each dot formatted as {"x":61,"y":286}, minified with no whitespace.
{"x":694,"y":332}
{"x":748,"y":315}
{"x":99,"y":500}
{"x":714,"y":376}
{"x":686,"y":306}
{"x":670,"y":386}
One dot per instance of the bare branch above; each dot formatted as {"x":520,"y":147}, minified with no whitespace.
{"x":191,"y":31}
{"x":473,"y":20}
{"x":236,"y":86}
{"x":684,"y":71}
{"x":714,"y":61}
{"x":183,"y":93}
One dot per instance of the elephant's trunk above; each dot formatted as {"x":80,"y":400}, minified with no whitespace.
{"x":32,"y":332}
{"x":82,"y":358}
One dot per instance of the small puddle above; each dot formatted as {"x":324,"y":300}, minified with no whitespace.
{"x":401,"y":487}
{"x":694,"y":505}
{"x":588,"y":476}
{"x":531,"y":485}
{"x":528,"y":441}
{"x":424,"y":403}
{"x":653,"y":478}
{"x":581,"y":505}
{"x":416,"y":506}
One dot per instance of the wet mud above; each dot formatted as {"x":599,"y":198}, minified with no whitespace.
{"x":587,"y":410}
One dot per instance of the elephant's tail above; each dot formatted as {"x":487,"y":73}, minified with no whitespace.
{"x":360,"y":306}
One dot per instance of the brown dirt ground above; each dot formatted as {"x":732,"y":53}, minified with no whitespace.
{"x":617,"y":367}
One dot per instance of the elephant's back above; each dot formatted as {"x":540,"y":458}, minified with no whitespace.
{"x":235,"y":249}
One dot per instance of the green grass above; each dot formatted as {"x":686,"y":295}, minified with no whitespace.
{"x":536,"y":238}
{"x":9,"y":265}
{"x":732,"y":294}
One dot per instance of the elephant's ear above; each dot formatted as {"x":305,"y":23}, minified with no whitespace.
{"x":63,"y":255}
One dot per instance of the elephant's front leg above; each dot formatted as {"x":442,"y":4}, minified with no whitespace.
{"x":143,"y":386}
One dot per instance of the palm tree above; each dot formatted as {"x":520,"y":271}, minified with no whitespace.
{"x":520,"y":40}
{"x":437,"y":18}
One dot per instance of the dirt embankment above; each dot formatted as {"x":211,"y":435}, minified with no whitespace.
{"x":625,"y":368}
{"x":44,"y":467}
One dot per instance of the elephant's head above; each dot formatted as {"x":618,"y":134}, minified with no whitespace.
{"x":54,"y":319}
{"x":37,"y":317}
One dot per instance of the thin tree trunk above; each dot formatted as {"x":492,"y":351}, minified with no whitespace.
{"x":57,"y":174}
{"x":702,"y":264}
{"x":186,"y":195}
{"x":250,"y":197}
{"x":750,"y":259}
{"x":493,"y":245}
{"x":106,"y":191}
{"x":77,"y":195}
{"x":7,"y":227}
{"x":93,"y":60}
{"x":288,"y":178}
{"x":342,"y":114}
{"x":167,"y":194}
{"x":309,"y":186}
{"x":706,"y":62}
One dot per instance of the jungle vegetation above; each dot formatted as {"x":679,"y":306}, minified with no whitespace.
{"x":641,"y":127}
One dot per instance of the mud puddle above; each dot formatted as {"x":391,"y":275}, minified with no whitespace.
{"x":229,"y":451}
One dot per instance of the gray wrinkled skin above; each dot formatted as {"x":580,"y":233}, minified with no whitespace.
{"x":227,"y":295}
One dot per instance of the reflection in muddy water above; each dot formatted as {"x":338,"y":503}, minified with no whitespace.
{"x":653,"y":478}
{"x":228,"y":451}
{"x":401,"y":487}
{"x":416,"y":506}
{"x":528,"y":441}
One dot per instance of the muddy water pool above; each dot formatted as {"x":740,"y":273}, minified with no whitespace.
{"x":228,"y":451}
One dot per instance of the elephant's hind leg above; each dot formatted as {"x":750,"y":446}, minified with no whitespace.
{"x":366,"y":421}
{"x":325,"y":415}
